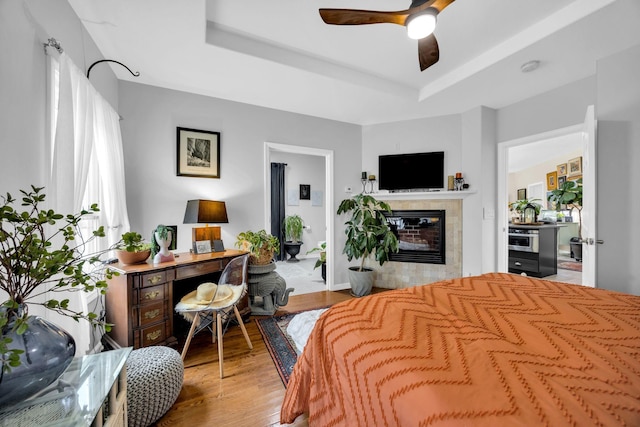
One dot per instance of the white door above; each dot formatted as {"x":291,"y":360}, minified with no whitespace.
{"x":589,"y":239}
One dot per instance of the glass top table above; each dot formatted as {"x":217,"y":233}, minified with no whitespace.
{"x":75,"y":398}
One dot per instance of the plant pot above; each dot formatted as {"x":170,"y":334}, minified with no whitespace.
{"x":576,"y":248}
{"x":128,"y":258}
{"x":361,"y":281}
{"x":48,"y":350}
{"x":323,"y":269}
{"x":292,"y":249}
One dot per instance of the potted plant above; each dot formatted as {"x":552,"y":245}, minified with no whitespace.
{"x":133,"y":249}
{"x":293,"y":226}
{"x":322,"y":260}
{"x":519,"y":207}
{"x":259,"y":244}
{"x":570,"y":195}
{"x":367,"y":234}
{"x":41,"y":253}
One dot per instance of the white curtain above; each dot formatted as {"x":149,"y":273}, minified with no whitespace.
{"x":85,"y":128}
{"x":87,"y":122}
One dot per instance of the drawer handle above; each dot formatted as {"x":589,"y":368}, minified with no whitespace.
{"x":151,"y":314}
{"x":152,"y":336}
{"x":152,"y":295}
{"x":518,"y":264}
{"x":155,"y":279}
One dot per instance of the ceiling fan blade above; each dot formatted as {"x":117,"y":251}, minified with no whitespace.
{"x":428,"y":52}
{"x":361,"y":17}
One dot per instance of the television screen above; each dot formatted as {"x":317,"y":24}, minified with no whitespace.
{"x":416,"y":171}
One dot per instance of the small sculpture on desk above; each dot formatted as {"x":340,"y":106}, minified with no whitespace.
{"x":161,"y":240}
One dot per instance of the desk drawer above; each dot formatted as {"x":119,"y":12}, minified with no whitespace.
{"x":151,"y":313}
{"x":153,"y":279}
{"x":152,"y":335}
{"x":151,"y":294}
{"x":199,"y":269}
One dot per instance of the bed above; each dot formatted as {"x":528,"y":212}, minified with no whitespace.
{"x":491,"y":350}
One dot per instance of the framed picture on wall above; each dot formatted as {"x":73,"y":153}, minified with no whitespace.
{"x":305,"y":192}
{"x":552,"y":180}
{"x":561,"y":180}
{"x":574,"y":167}
{"x":198,"y":153}
{"x":562,"y":169}
{"x":522,"y":193}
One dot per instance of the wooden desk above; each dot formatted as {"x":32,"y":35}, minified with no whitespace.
{"x":140,"y":301}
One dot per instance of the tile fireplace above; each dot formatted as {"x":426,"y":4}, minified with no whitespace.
{"x":421,"y":235}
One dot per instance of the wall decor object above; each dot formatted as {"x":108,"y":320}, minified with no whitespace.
{"x":202,"y":247}
{"x":316,"y":198}
{"x":198,"y":153}
{"x":574,"y":167}
{"x":552,"y":180}
{"x":293,"y":198}
{"x":305,"y":192}
{"x":561,"y":169}
{"x":561,"y":180}
{"x":522,"y":194}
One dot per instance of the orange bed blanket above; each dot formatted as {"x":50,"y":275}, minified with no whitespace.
{"x":492,"y":350}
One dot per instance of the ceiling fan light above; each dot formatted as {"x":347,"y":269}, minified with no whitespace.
{"x":420,"y":25}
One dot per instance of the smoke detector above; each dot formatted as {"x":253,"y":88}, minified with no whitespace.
{"x":530,"y":66}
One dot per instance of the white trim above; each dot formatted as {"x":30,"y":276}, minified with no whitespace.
{"x":503,"y":192}
{"x":330,"y":218}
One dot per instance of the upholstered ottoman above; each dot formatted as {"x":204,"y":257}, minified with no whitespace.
{"x":154,"y":381}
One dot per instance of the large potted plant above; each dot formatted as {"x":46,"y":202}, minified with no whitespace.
{"x":42,"y":253}
{"x":259,"y":244}
{"x":293,"y":226}
{"x":367,"y":234}
{"x":570,"y":195}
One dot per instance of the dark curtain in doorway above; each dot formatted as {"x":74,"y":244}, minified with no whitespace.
{"x":277,"y":205}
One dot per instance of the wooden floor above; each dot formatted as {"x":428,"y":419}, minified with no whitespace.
{"x":251,"y":392}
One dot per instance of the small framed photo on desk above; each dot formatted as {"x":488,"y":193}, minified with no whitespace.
{"x":202,"y":247}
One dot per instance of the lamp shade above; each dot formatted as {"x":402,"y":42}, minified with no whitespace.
{"x":205,"y":212}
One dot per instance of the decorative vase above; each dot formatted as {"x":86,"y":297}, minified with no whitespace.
{"x":361,"y":281}
{"x":292,"y":249}
{"x":47,"y":352}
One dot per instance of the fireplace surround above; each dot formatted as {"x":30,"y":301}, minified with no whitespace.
{"x":402,"y":274}
{"x":421,"y":235}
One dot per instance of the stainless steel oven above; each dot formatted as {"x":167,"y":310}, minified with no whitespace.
{"x":524,"y":240}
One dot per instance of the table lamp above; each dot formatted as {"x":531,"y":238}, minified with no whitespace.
{"x":206,"y":212}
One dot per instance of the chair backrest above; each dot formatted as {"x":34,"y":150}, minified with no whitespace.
{"x":235,"y":273}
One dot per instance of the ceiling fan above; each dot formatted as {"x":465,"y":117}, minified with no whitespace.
{"x":420,"y":20}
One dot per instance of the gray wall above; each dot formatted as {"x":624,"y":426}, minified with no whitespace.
{"x":155,"y":195}
{"x":618,"y":153}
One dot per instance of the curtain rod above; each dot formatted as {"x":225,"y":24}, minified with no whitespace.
{"x":136,"y":74}
{"x":54,"y":44}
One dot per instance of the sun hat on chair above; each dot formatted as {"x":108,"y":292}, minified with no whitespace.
{"x":209,"y":294}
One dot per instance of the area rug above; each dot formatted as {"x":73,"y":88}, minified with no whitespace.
{"x":570,"y":265}
{"x":279,"y":344}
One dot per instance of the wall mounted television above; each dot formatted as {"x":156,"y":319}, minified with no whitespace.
{"x":411,"y":172}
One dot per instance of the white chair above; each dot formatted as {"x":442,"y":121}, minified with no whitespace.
{"x":213,"y":303}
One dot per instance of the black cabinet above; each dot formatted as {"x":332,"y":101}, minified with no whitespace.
{"x":538,"y":264}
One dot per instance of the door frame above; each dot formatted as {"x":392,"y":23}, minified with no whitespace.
{"x":270,"y":147}
{"x":503,"y":190}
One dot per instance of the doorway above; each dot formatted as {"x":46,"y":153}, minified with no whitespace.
{"x":547,"y":144}
{"x":327,"y":155}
